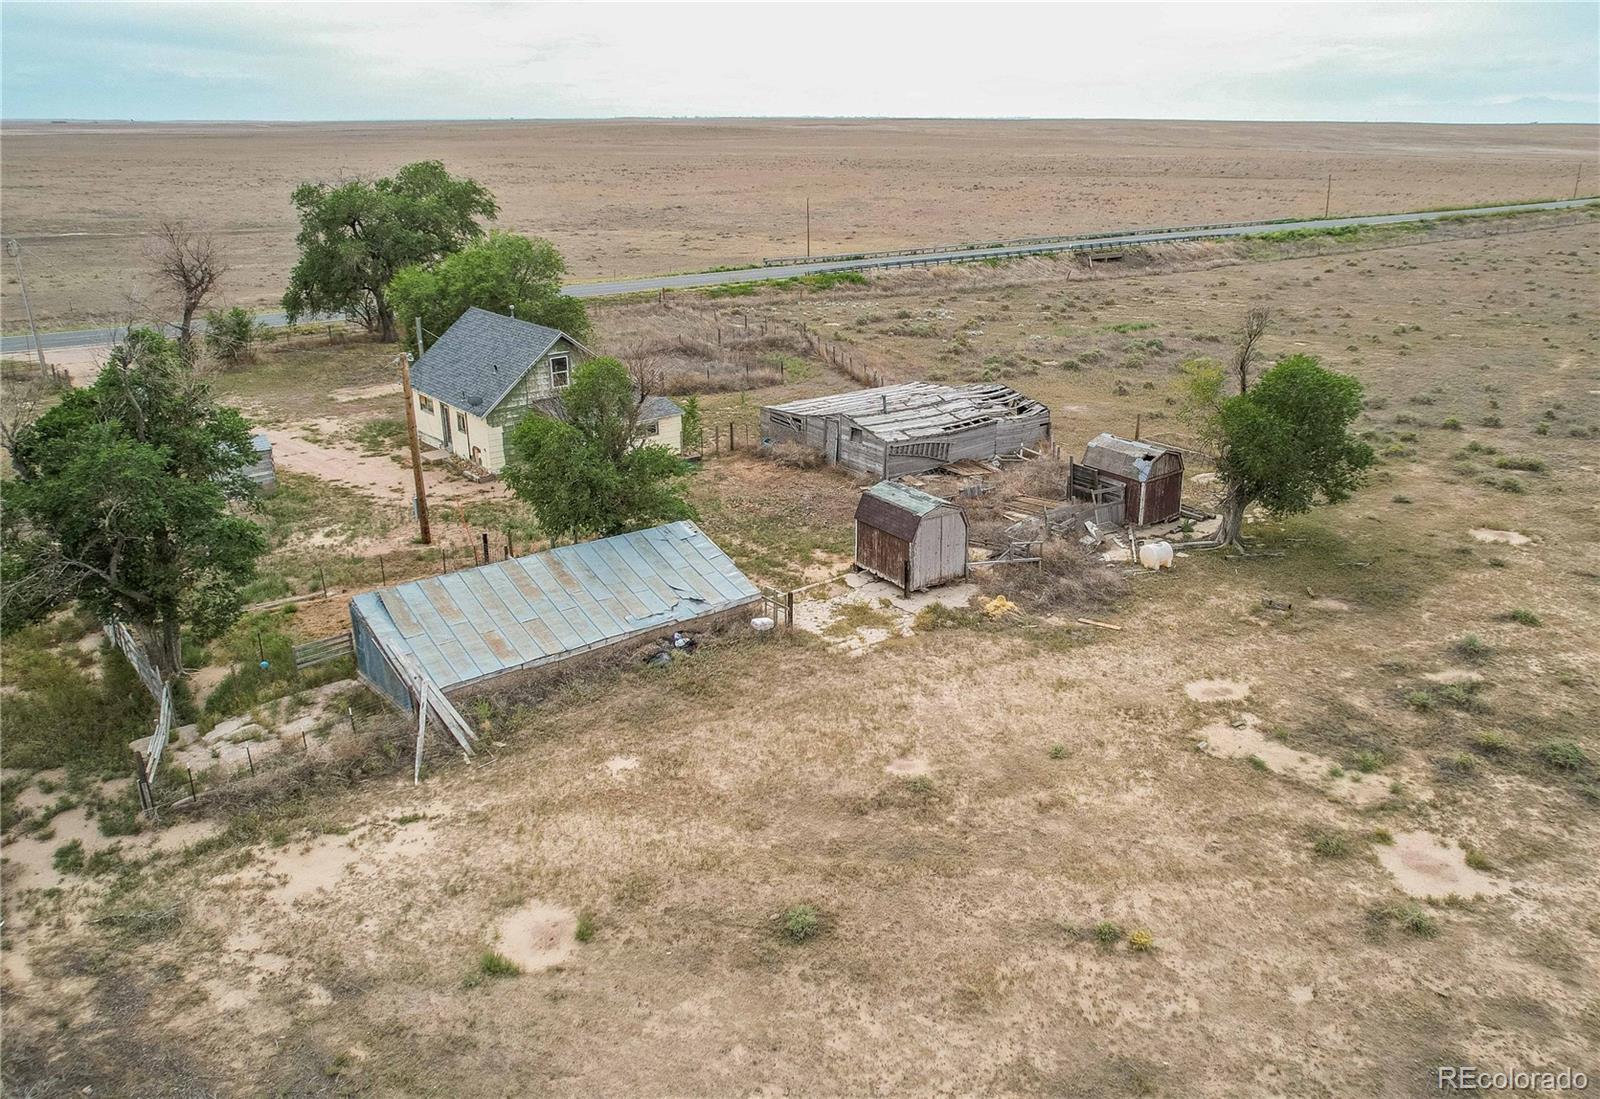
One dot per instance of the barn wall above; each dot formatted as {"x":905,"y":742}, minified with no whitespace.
{"x":939,"y":553}
{"x":881,"y":553}
{"x":1163,"y":498}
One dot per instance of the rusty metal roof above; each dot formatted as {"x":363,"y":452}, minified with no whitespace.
{"x":479,"y":623}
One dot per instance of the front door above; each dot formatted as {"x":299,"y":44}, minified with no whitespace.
{"x":444,"y":424}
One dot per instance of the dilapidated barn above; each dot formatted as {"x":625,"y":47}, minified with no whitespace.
{"x":532,"y":613}
{"x":1150,"y":475}
{"x":894,"y":430}
{"x":910,"y":537}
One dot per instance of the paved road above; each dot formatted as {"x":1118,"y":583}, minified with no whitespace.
{"x":101,"y":337}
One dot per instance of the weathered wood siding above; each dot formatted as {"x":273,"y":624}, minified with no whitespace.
{"x":840,"y":440}
{"x":535,"y":385}
{"x":939,"y":552}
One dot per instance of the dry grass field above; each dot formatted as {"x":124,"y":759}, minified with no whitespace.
{"x":636,"y":198}
{"x":1226,"y":851}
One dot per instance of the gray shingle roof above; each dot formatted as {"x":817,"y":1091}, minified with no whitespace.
{"x":655,"y":409}
{"x":479,"y":358}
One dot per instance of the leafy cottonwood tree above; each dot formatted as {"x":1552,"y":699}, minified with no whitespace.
{"x":504,"y":273}
{"x":1284,"y":442}
{"x":354,"y":237}
{"x":586,"y":474}
{"x":121,"y":500}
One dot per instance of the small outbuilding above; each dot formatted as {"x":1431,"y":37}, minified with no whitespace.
{"x":262,"y":472}
{"x":528,"y":615}
{"x":1151,"y":476}
{"x":910,"y":537}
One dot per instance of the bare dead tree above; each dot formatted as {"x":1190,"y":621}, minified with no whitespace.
{"x":649,"y":380}
{"x":189,"y":264}
{"x":1247,"y":349}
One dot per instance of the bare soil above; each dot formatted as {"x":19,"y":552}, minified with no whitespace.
{"x":1063,"y":788}
{"x":634,"y":197}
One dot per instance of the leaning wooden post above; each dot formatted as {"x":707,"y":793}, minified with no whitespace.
{"x":788,"y":611}
{"x":416,"y":448}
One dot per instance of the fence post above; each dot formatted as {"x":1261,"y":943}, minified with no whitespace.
{"x":905,"y":583}
{"x":250,"y":759}
{"x":323,"y":577}
{"x":788,"y":611}
{"x":485,"y":547}
{"x":730,"y":437}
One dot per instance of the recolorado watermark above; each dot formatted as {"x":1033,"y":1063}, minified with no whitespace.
{"x":1473,"y":1078}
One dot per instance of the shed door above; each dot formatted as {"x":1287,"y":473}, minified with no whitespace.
{"x":830,"y":440}
{"x":444,"y":424}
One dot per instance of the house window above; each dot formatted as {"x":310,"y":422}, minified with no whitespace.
{"x":461,"y":421}
{"x":424,"y":403}
{"x":855,"y":434}
{"x":560,"y":370}
{"x":652,"y":428}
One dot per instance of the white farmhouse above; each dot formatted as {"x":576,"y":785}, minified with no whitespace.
{"x":488,"y":371}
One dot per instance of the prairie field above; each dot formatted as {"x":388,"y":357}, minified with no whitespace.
{"x":636,"y":197}
{"x":1313,"y":821}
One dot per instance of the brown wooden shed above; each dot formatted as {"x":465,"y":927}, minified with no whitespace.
{"x":910,"y":537}
{"x":1151,"y":476}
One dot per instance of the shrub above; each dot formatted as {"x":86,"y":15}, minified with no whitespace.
{"x":1257,"y":762}
{"x":585,"y":929}
{"x":1477,"y":859}
{"x":1330,"y":845}
{"x":1107,"y":933}
{"x":1471,"y":647}
{"x":231,"y":335}
{"x":1058,"y":751}
{"x":1490,"y":743}
{"x":491,"y":963}
{"x":1408,"y":916}
{"x":1526,"y":465}
{"x":1368,"y":762}
{"x":68,"y":858}
{"x":800,"y":923}
{"x":1451,"y":424}
{"x":1563,"y":755}
{"x":1142,"y":941}
{"x":1383,"y":836}
{"x":1523,"y":617}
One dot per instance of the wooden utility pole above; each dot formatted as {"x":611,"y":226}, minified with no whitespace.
{"x":14,"y":250}
{"x":411,"y":436}
{"x":1577,"y":179}
{"x":808,"y":227}
{"x":1327,"y":202}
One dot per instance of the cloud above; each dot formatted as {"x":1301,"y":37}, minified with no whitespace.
{"x":1486,"y":62}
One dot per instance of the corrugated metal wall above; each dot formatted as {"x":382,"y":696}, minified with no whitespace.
{"x":374,"y":667}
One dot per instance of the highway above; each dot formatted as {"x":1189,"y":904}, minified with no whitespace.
{"x":103,"y":337}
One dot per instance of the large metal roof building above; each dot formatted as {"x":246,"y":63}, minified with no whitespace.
{"x":478,"y":624}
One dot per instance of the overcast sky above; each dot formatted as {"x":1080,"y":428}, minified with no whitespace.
{"x":1433,"y":63}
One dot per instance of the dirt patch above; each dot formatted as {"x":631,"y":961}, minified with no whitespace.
{"x":1504,"y":537}
{"x":908,"y":767}
{"x":1244,"y":739}
{"x":1453,"y":675}
{"x":536,"y":936}
{"x":1217,"y":690}
{"x":621,"y":765}
{"x":1426,"y":866}
{"x":1337,"y":606}
{"x":861,"y":611}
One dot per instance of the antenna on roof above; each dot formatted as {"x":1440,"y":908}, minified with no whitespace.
{"x":513,"y":310}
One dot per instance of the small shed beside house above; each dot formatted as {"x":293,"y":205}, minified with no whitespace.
{"x":910,"y":537}
{"x":1151,"y":476}
{"x":530,"y":615}
{"x":262,"y":472}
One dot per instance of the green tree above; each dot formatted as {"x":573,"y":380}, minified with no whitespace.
{"x":503,"y":273}
{"x":693,"y":436}
{"x":585,"y":474}
{"x":122,"y":501}
{"x":355,"y":236}
{"x":1283,"y":443}
{"x":231,"y":335}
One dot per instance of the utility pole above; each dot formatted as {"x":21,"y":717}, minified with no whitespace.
{"x":1327,"y":203}
{"x":808,"y":227}
{"x":411,"y":435}
{"x":14,"y":250}
{"x":1575,"y":181}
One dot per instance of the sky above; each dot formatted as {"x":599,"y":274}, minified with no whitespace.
{"x":1491,"y":62}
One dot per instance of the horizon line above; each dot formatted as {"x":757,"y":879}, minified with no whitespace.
{"x":56,"y":120}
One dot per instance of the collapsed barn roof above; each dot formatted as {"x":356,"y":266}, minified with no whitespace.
{"x":479,"y":623}
{"x":1124,"y":457}
{"x":920,"y":410}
